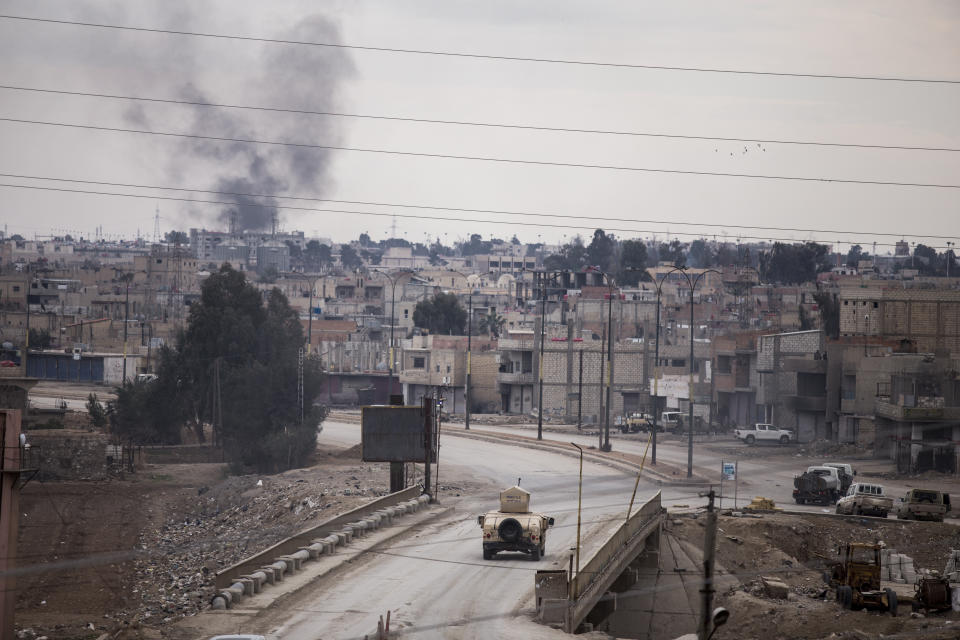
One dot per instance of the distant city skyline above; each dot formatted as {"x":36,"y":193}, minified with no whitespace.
{"x":879,"y":39}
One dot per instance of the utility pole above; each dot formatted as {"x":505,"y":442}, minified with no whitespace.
{"x":543,"y":324}
{"x":430,"y":406}
{"x":466,"y":415}
{"x":126,"y":318}
{"x":709,"y":548}
{"x":11,"y":466}
{"x":580,"y":394}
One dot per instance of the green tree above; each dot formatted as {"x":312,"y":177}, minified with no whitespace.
{"x":151,"y":412}
{"x":854,"y":255}
{"x":255,"y":347}
{"x":602,"y":250}
{"x":928,"y":261}
{"x":794,"y":263}
{"x":441,"y":314}
{"x":672,"y":253}
{"x":364,"y":239}
{"x":317,"y":256}
{"x":572,"y":257}
{"x":633,"y":261}
{"x":96,"y":411}
{"x":492,"y":324}
{"x":40,"y":339}
{"x":349,"y":258}
{"x":700,"y":255}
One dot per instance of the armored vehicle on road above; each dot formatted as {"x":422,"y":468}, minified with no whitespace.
{"x":514,"y":527}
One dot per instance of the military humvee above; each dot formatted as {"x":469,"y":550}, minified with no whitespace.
{"x":514,"y":527}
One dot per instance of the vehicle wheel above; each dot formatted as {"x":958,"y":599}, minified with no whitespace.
{"x":487,"y":554}
{"x":838,"y":509}
{"x":784,"y":440}
{"x":535,"y":554}
{"x":846,"y":596}
{"x":510,"y":530}
{"x":751,"y":440}
{"x":856,"y":511}
{"x":892,"y":602}
{"x":798,"y":500}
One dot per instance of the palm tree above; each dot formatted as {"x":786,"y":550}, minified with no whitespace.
{"x":492,"y":324}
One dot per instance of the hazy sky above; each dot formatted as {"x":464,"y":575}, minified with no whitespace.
{"x":901,"y":39}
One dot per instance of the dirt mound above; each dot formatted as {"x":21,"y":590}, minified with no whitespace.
{"x":353,"y":453}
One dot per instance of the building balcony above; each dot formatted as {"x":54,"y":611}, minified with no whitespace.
{"x":902,"y":413}
{"x":414,"y":376}
{"x":516,"y":378}
{"x":512,"y":344}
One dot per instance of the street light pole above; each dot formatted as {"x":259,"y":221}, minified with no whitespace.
{"x":126,"y":318}
{"x":393,"y":304}
{"x":466,"y":391}
{"x":543,"y":324}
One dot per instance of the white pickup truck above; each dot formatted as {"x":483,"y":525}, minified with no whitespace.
{"x":764,"y":432}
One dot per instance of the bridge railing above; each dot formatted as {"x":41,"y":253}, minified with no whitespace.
{"x":599,"y":563}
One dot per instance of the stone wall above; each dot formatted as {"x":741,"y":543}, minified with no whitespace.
{"x":67,"y":454}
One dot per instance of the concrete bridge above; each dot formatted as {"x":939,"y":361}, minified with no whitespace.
{"x":589,"y":597}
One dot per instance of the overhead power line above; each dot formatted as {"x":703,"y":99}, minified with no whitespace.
{"x":480,"y":56}
{"x":595,"y":219}
{"x":516,"y":161}
{"x":458,"y":219}
{"x":473,"y":123}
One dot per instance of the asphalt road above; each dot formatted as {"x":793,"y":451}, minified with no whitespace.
{"x":435,"y":581}
{"x":764,"y":469}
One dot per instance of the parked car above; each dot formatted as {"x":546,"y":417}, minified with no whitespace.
{"x":923,"y":504}
{"x":865,"y":499}
{"x":765,"y":432}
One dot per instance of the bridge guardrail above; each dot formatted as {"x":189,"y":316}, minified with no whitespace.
{"x":621,"y":537}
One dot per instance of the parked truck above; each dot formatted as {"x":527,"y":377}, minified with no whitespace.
{"x":847,"y":473}
{"x":923,"y":504}
{"x":865,"y":499}
{"x":764,"y":432}
{"x":820,"y":485}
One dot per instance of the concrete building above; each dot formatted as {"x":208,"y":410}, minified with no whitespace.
{"x":930,"y":318}
{"x":792,"y":380}
{"x":918,"y":417}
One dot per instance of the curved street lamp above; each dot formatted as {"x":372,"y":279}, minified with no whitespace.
{"x":393,"y":289}
{"x":692,"y":283}
{"x":605,"y":439}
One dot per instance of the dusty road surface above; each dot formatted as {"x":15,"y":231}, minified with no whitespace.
{"x":765,"y":469}
{"x":435,"y":581}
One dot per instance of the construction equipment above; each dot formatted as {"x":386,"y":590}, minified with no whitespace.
{"x":932,"y":592}
{"x":856,"y":578}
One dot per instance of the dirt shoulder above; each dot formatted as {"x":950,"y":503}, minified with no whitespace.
{"x":141,"y":552}
{"x":793,"y":549}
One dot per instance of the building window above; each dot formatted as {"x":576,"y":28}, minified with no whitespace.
{"x":846,"y":302}
{"x":418,"y":363}
{"x":876,"y":304}
{"x":16,"y":289}
{"x":406,"y":313}
{"x":448,"y":368}
{"x":438,"y":368}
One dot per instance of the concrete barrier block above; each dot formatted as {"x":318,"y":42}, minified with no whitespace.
{"x":302,"y":555}
{"x":279,"y":568}
{"x":343,"y":537}
{"x":313,"y":551}
{"x":258,"y":578}
{"x":270,"y":573}
{"x":248,"y":586}
{"x":218,"y":603}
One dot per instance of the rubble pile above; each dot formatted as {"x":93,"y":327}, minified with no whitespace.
{"x":237,"y":518}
